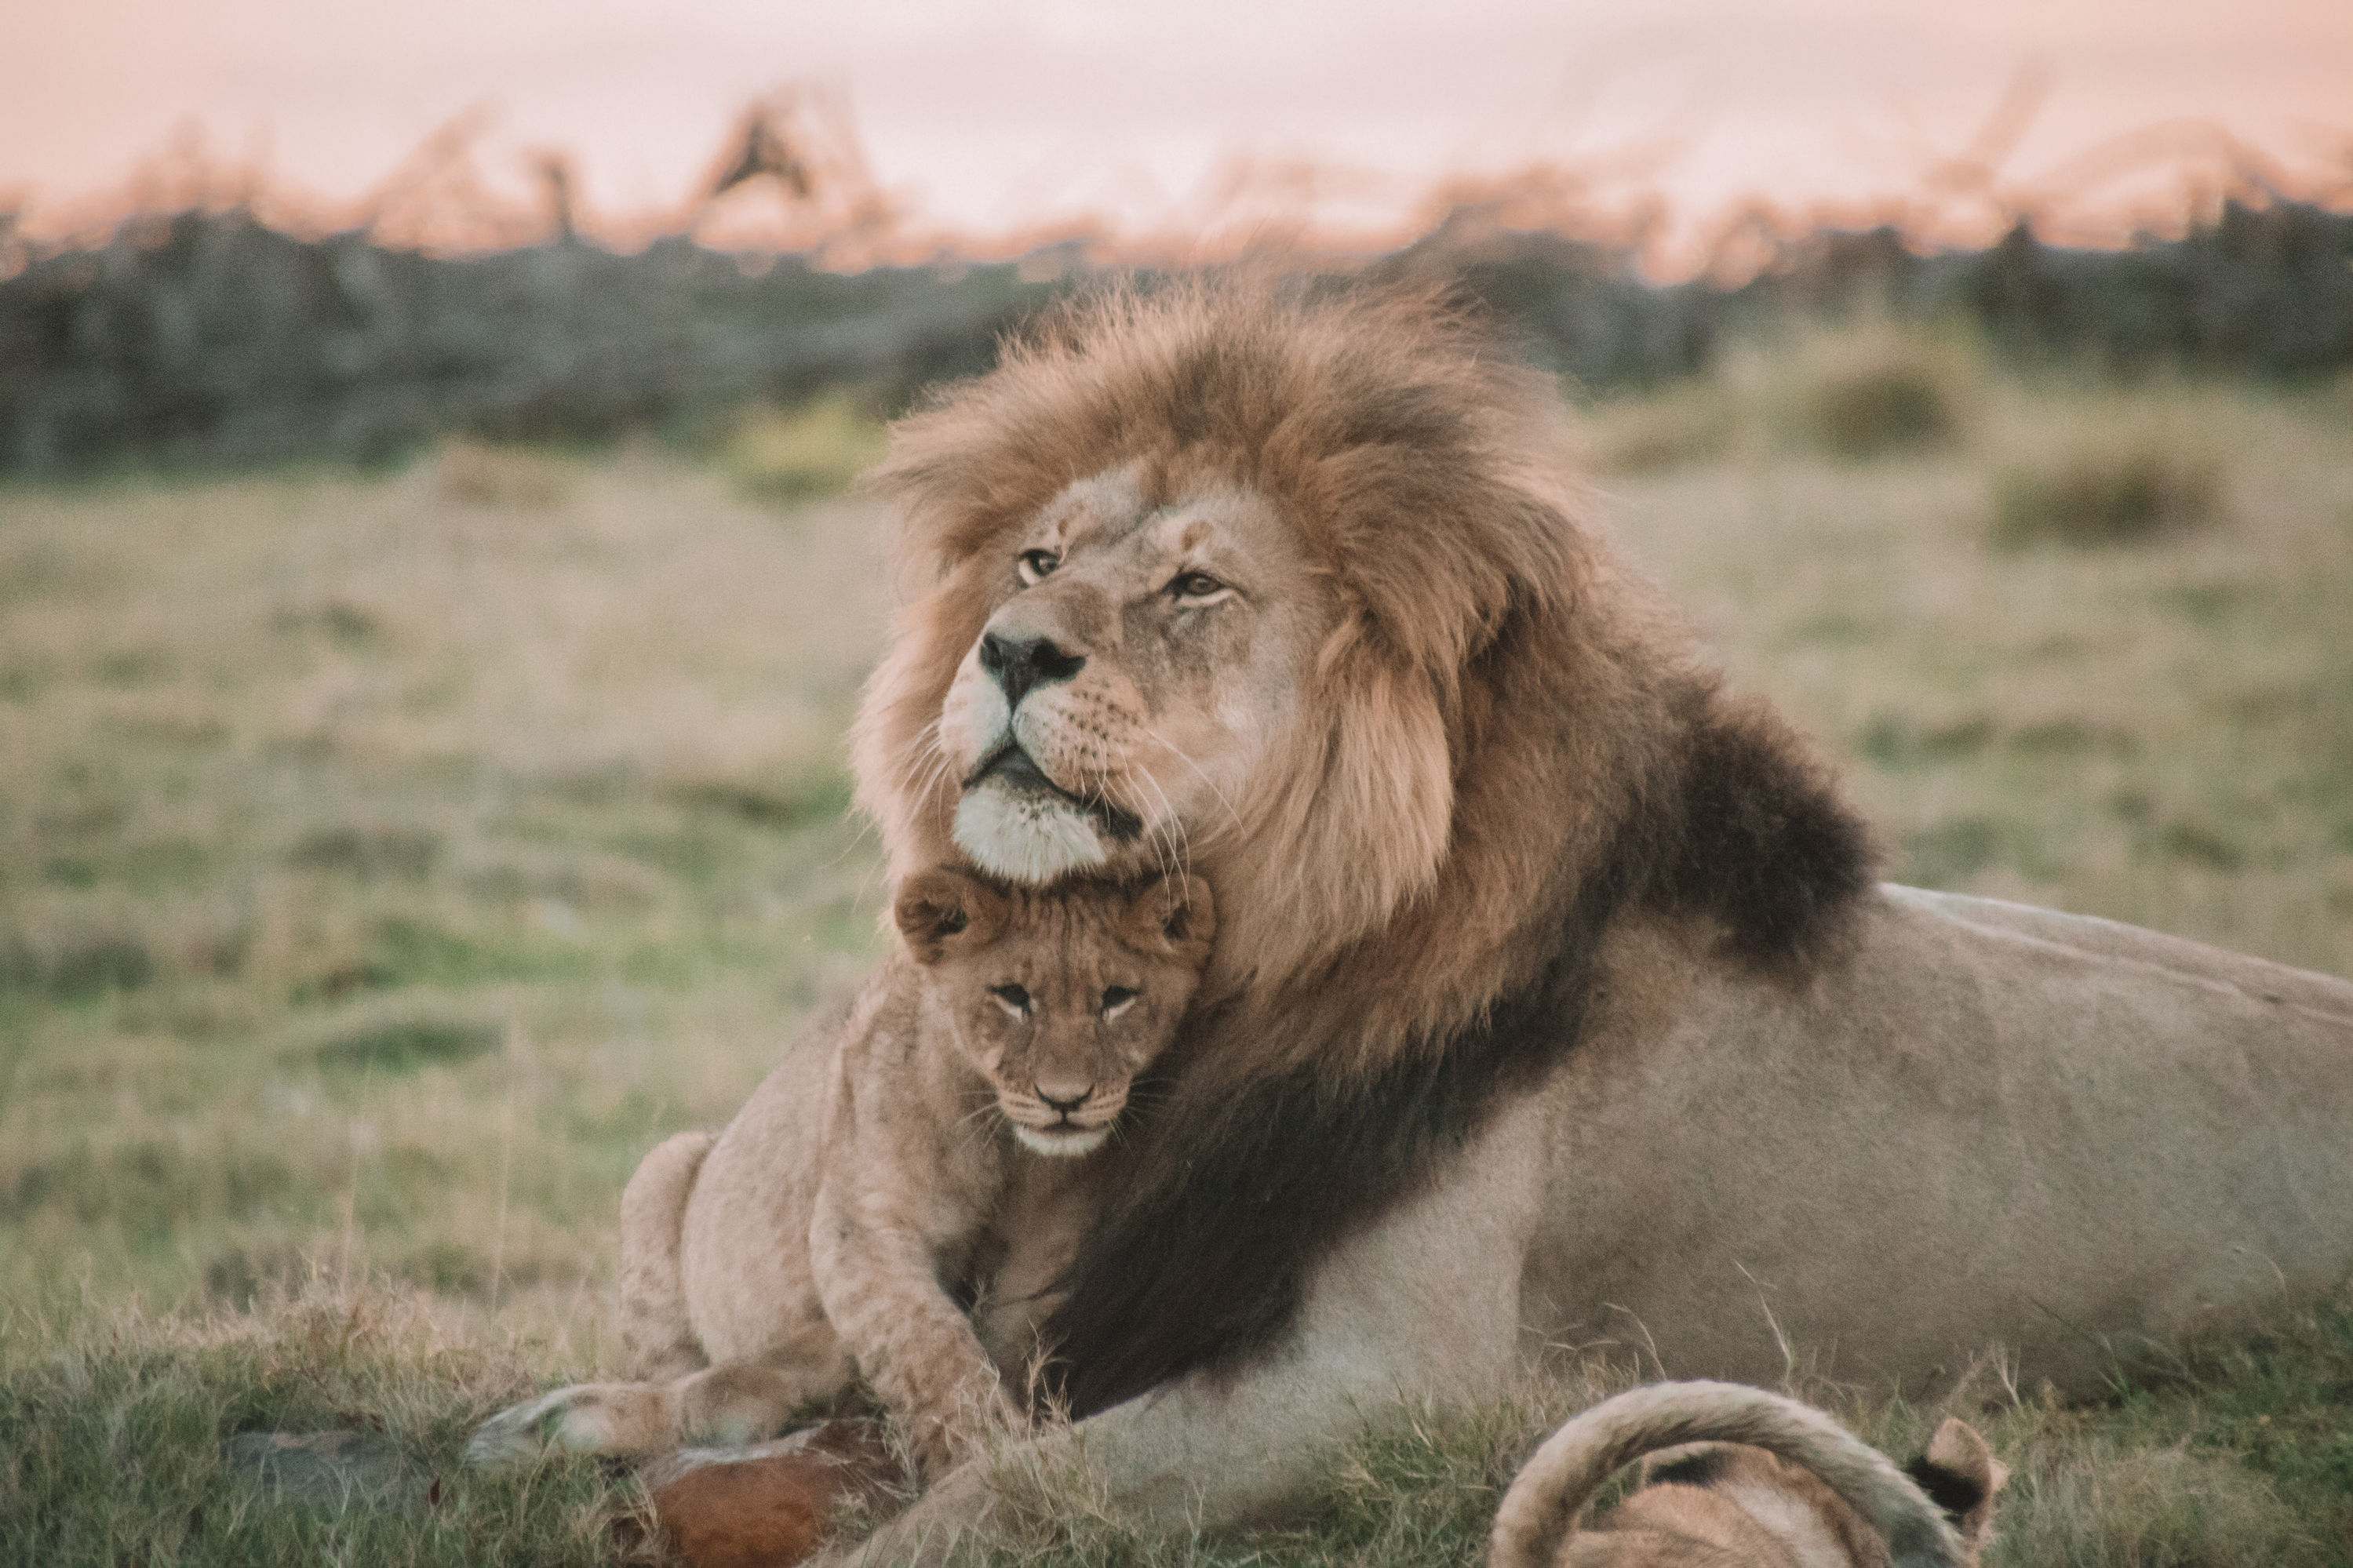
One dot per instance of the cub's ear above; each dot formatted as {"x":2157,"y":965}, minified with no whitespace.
{"x":1961,"y":1476}
{"x":1172,"y":912}
{"x":941,"y":909}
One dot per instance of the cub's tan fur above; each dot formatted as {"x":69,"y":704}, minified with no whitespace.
{"x":1049,"y":1002}
{"x":1772,"y":1484}
{"x":872,"y":1167}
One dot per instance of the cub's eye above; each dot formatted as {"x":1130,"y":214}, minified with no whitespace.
{"x":1013,"y":998}
{"x":1192,"y":589}
{"x":1115,"y":999}
{"x":1037,"y":565}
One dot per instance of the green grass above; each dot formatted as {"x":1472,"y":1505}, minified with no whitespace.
{"x":114,"y":1427}
{"x":814,"y":450}
{"x":379,"y":857}
{"x":388,"y":861}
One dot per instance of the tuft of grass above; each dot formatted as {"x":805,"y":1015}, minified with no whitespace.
{"x":1694,"y":422}
{"x":405,"y":1045}
{"x":813,"y":794}
{"x":149,"y":1187}
{"x":392,"y":850}
{"x":116,"y":1429}
{"x":477,"y":473}
{"x":814,"y":450}
{"x":76,"y":967}
{"x":1878,"y":393}
{"x":2118,"y":482}
{"x":2102,"y":1504}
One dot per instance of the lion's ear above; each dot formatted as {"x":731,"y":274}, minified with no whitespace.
{"x":942,"y":908}
{"x":1172,"y":912}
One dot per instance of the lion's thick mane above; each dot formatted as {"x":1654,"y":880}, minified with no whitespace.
{"x":1518,"y":747}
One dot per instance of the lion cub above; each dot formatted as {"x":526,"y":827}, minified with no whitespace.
{"x":1776,"y":1484}
{"x":1044,"y":1005}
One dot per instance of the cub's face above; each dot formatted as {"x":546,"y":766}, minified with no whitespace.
{"x":1138,"y":677}
{"x":1058,"y":998}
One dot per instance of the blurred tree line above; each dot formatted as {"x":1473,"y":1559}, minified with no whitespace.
{"x":209,"y":337}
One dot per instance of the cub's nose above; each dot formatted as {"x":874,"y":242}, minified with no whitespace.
{"x":1064,"y":1097}
{"x":1019,"y":663}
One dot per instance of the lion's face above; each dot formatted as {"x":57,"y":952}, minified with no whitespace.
{"x":1142,"y":664}
{"x":1059,"y":999}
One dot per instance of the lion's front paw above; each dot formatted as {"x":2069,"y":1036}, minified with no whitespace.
{"x":588,"y":1418}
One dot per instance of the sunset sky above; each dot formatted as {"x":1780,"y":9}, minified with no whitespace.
{"x":993,"y":113}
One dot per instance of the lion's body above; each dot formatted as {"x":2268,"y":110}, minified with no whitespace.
{"x":1554,"y":999}
{"x":1995,"y":1128}
{"x":1988,"y":1123}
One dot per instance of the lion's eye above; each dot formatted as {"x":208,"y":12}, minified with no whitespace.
{"x":1193,"y":589}
{"x":1116,"y":999}
{"x":1013,"y":998}
{"x":1036,"y":566}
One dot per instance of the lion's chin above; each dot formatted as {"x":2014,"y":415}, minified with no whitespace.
{"x":1065,"y":1140}
{"x":1026,"y":836}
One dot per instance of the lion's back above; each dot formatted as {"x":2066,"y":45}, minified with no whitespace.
{"x":1986,"y":1121}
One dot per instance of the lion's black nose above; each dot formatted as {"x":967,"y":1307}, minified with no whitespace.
{"x":1020,"y":663}
{"x":1064,"y":1098}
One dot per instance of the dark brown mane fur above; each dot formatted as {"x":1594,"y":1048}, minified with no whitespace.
{"x":1387,"y":976}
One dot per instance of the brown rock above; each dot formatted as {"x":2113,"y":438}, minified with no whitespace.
{"x":771,"y":1504}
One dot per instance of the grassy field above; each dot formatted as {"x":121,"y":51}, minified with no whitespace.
{"x":388,"y":861}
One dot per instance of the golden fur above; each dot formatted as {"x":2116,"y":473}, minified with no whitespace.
{"x":1771,"y":1484}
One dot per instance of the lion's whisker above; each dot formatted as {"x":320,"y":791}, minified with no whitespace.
{"x":1178,"y":752}
{"x":1168,"y":827}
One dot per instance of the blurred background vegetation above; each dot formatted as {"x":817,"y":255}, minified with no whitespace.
{"x":208,"y":337}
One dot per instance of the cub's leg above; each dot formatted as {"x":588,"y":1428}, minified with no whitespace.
{"x":719,"y":1313}
{"x":660,"y":1337}
{"x":795,"y":1364}
{"x":914,"y":1343}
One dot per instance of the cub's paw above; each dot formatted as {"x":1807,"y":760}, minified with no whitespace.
{"x":587,"y":1418}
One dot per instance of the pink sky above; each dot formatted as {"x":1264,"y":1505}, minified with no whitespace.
{"x":991,"y":115}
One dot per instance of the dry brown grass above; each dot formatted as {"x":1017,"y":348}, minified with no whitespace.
{"x":2131,"y":470}
{"x":1877,"y":391}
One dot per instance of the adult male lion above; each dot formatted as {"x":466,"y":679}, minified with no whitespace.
{"x":1553,"y":999}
